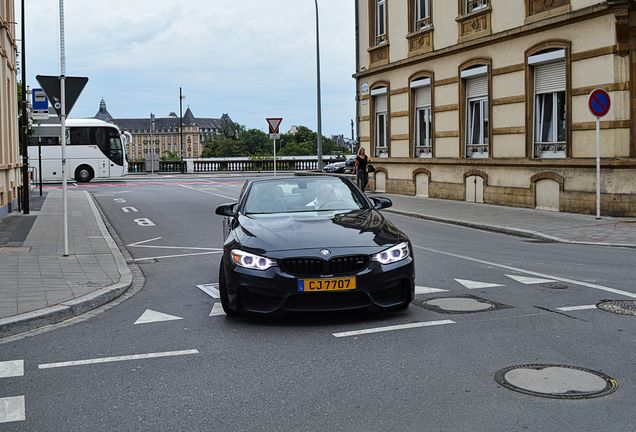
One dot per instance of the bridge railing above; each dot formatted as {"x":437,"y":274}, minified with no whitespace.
{"x":237,"y":164}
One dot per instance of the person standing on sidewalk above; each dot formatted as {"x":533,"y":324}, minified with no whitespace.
{"x":360,"y":168}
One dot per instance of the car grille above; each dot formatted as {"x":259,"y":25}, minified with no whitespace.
{"x":316,"y":266}
{"x":326,"y":301}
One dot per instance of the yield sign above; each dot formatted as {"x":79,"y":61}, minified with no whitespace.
{"x":274,"y":123}
{"x":73,"y":87}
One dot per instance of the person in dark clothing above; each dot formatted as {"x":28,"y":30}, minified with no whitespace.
{"x":362,"y":176}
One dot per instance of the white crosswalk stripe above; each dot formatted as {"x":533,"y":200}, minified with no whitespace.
{"x":427,"y":290}
{"x":529,"y":280}
{"x":12,"y":408}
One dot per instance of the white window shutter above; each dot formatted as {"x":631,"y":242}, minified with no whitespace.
{"x":549,"y":78}
{"x":380,"y":104}
{"x":477,"y":87}
{"x":423,"y":97}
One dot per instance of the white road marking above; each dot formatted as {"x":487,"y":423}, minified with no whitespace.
{"x":119,"y":200}
{"x":543,"y":275}
{"x":150,"y":316}
{"x":12,"y":409}
{"x":145,"y":241}
{"x":129,"y":209}
{"x":217,"y":310}
{"x":528,"y":280}
{"x":117,"y":359}
{"x":176,"y":256}
{"x":13,"y":368}
{"x":144,"y":222}
{"x":477,"y":285}
{"x":209,"y":193}
{"x":427,"y":290}
{"x":393,"y":328}
{"x":142,"y":244}
{"x":576,"y":308}
{"x":210,"y":289}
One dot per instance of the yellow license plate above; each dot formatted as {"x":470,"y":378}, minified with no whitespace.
{"x":331,"y":284}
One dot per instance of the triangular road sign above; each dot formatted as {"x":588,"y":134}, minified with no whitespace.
{"x":274,"y":124}
{"x":477,"y":285}
{"x":150,"y":316}
{"x":73,"y":87}
{"x":529,"y":280}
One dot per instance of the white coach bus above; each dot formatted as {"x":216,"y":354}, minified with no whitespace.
{"x":94,"y":149}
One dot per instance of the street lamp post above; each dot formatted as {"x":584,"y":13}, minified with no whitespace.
{"x":25,"y":125}
{"x":152,"y":148}
{"x":181,"y":127}
{"x":319,"y":141}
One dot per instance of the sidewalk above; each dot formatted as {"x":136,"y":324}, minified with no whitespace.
{"x":538,"y":224}
{"x":38,"y":285}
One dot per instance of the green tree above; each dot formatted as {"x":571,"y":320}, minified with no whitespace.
{"x":257,"y":143}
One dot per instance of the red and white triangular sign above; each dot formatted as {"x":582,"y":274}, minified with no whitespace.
{"x":274,"y":123}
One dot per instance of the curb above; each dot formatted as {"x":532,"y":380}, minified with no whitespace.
{"x":517,"y":232}
{"x":72,"y":308}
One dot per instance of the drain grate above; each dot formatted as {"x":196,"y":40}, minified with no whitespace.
{"x":556,"y":381}
{"x":620,"y":307}
{"x":459,"y":305}
{"x":554,"y":285}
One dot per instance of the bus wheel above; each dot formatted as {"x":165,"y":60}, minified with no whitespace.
{"x":84,"y":174}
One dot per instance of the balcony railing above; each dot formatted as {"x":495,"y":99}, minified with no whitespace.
{"x":477,"y":151}
{"x":549,"y":149}
{"x":475,"y":5}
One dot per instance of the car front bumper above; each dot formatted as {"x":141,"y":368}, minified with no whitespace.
{"x":378,"y":287}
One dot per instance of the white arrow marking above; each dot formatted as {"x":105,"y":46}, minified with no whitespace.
{"x":217,"y":310}
{"x":13,"y":368}
{"x":477,"y":285}
{"x":150,"y":316}
{"x":210,"y":289}
{"x":426,"y":290}
{"x":528,"y":280}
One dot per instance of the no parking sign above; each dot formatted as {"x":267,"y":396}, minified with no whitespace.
{"x":599,"y":104}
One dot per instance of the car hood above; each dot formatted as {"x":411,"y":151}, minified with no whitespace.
{"x":315,"y":230}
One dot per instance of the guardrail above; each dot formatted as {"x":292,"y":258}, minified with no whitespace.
{"x":237,"y":164}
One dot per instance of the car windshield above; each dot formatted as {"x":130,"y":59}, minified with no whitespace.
{"x":303,"y":194}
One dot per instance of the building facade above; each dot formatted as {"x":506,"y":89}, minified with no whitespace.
{"x":486,"y":100}
{"x":10,"y":178}
{"x":164,"y":133}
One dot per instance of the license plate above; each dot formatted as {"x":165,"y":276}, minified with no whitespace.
{"x":331,"y":284}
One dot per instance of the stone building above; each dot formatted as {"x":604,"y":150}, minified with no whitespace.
{"x":165,"y":133}
{"x":486,"y":100}
{"x":10,"y":177}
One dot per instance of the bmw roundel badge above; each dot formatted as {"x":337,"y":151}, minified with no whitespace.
{"x":325,"y":252}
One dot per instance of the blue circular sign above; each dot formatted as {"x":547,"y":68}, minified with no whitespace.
{"x":599,"y":103}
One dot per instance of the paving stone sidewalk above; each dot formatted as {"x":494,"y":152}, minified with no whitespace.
{"x":38,"y":285}
{"x":541,"y":224}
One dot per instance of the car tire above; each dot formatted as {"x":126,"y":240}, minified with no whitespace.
{"x":84,"y":174}
{"x":225,"y":301}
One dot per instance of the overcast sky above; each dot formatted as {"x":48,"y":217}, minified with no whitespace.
{"x":249,"y":58}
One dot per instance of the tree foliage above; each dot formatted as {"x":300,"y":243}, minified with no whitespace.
{"x":233,"y":139}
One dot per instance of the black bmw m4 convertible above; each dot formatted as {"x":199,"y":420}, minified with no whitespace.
{"x":312,"y":243}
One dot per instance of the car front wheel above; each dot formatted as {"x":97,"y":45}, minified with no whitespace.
{"x":225,"y":301}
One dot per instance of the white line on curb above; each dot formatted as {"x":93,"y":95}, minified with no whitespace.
{"x":117,"y":359}
{"x":393,"y":328}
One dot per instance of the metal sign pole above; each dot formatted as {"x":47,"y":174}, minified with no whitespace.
{"x":274,"y":156}
{"x":63,"y":125}
{"x":598,"y":168}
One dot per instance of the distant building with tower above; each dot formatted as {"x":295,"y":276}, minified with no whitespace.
{"x":165,"y":133}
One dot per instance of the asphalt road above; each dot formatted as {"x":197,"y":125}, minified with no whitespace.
{"x":292,"y":373}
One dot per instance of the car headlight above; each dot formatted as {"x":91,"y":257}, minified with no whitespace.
{"x":251,"y":261}
{"x":392,"y":254}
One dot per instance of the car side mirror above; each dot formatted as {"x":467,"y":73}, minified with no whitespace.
{"x":226,"y":210}
{"x":381,"y":202}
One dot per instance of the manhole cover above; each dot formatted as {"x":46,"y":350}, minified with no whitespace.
{"x":556,"y":381}
{"x":458,"y":305}
{"x":554,"y":285}
{"x":621,"y":307}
